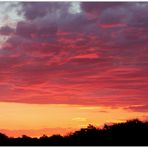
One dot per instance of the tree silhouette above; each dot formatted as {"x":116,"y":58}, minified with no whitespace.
{"x":131,"y":133}
{"x":3,"y":139}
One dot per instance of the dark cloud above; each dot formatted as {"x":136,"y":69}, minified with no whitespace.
{"x":6,"y":30}
{"x":35,"y":10}
{"x":99,"y":7}
{"x":34,"y":30}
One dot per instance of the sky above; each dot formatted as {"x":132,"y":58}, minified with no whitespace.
{"x":64,"y":65}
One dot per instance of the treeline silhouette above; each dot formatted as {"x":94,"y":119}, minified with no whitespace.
{"x":130,"y":133}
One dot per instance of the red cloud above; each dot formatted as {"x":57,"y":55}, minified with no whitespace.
{"x":55,"y":56}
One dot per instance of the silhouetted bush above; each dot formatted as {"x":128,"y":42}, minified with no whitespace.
{"x":3,"y":139}
{"x":130,"y":133}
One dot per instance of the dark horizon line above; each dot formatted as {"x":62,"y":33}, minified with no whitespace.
{"x":129,"y":133}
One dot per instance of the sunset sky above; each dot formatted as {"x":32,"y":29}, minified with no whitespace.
{"x":64,"y":65}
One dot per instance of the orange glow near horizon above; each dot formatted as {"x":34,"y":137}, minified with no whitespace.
{"x":17,"y":119}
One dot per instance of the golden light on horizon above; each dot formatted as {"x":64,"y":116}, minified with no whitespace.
{"x":33,"y":117}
